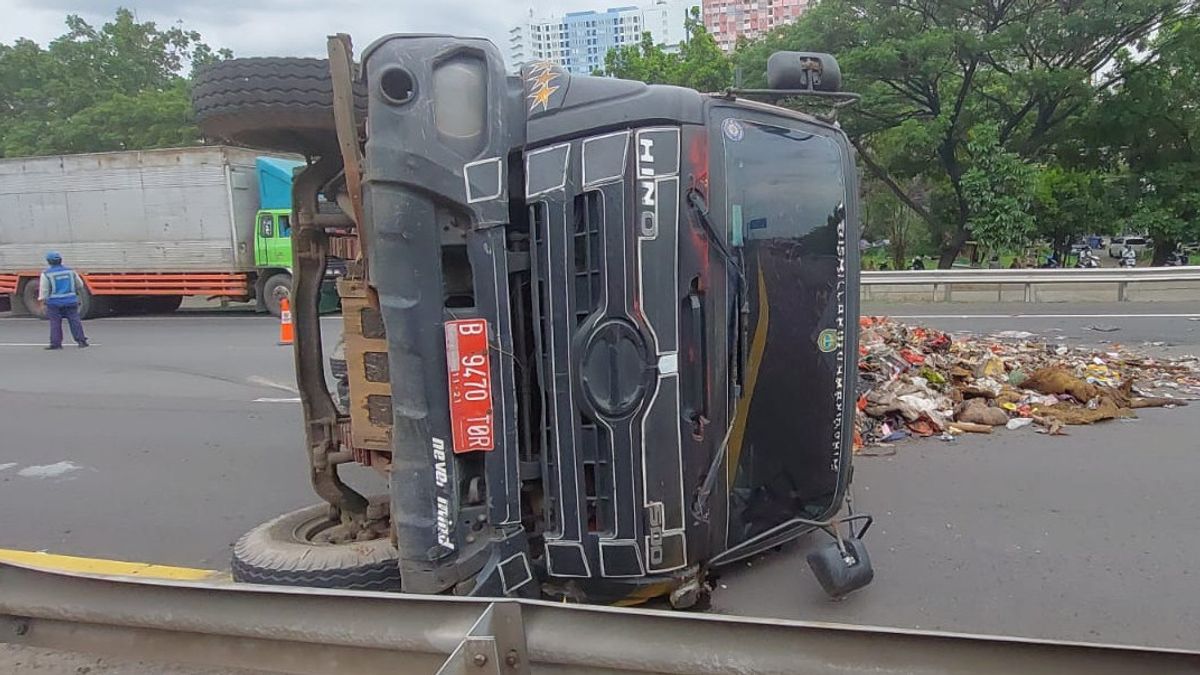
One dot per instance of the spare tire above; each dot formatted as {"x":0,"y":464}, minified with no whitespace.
{"x":282,"y":104}
{"x":293,"y":550}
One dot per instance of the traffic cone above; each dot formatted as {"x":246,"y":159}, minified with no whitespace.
{"x":286,"y":332}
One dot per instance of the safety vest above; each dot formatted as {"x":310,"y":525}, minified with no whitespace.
{"x":62,"y":286}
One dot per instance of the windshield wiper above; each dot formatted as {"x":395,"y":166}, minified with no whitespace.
{"x":698,"y":205}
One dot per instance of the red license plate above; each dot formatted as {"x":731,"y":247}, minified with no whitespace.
{"x":470,"y":385}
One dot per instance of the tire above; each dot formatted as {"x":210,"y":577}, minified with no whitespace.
{"x":273,"y":287}
{"x":282,"y":104}
{"x":163,"y":304}
{"x":279,"y":553}
{"x":89,"y":305}
{"x":29,"y":294}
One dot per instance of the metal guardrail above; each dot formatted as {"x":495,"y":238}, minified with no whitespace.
{"x":1031,"y":276}
{"x":314,"y":631}
{"x":1033,"y":285}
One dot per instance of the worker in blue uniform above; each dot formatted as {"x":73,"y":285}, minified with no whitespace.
{"x":58,"y":292}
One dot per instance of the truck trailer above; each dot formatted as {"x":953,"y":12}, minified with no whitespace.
{"x":147,"y":228}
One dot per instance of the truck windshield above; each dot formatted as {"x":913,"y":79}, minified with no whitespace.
{"x":782,"y":183}
{"x":786,"y":194}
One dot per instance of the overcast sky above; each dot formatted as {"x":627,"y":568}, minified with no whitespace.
{"x":289,"y":27}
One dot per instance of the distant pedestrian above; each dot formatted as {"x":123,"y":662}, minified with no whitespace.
{"x":58,"y":292}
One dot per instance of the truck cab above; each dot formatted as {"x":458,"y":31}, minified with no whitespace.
{"x":273,"y":238}
{"x":601,"y":336}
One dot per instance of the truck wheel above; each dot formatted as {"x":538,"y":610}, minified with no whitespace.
{"x":91,"y":306}
{"x":163,"y":304}
{"x":283,"y":104}
{"x":274,"y":288}
{"x":288,"y":551}
{"x":29,"y":293}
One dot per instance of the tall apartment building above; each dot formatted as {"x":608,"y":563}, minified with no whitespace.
{"x":728,"y":19}
{"x":665,"y":19}
{"x":579,"y":41}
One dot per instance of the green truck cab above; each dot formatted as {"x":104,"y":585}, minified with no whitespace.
{"x":273,"y":235}
{"x":273,"y":222}
{"x":273,"y":238}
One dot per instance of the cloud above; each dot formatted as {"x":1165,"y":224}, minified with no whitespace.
{"x":289,"y":27}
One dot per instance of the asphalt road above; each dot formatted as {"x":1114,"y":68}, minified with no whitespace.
{"x":175,"y":434}
{"x":163,"y":442}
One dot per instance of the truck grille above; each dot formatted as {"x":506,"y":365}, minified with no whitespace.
{"x":589,"y":279}
{"x":538,"y":219}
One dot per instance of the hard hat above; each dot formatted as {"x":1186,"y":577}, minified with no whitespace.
{"x":53,"y":257}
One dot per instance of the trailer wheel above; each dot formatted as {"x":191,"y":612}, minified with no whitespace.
{"x":91,"y":306}
{"x":275,"y":287}
{"x":283,"y":104}
{"x":290,"y":551}
{"x":29,"y":294}
{"x":163,"y":304}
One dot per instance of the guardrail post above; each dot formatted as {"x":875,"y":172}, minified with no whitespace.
{"x":1121,"y":291}
{"x":1028,"y":292}
{"x":495,"y":645}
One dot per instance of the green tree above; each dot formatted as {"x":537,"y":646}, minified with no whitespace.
{"x":1070,"y":203}
{"x":117,"y":87}
{"x":886,"y":217}
{"x":999,"y":192}
{"x":697,"y":62}
{"x":930,"y":72}
{"x":1151,"y":126}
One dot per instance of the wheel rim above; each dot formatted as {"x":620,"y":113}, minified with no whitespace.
{"x":320,"y":531}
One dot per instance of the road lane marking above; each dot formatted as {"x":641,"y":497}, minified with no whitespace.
{"x":1044,"y":316}
{"x":270,"y":384}
{"x":276,"y":400}
{"x":38,"y":344}
{"x":56,"y":470}
{"x":68,"y":563}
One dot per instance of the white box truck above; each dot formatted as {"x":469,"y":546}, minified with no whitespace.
{"x":147,"y":228}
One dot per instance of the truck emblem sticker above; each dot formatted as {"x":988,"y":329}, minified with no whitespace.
{"x":733,"y":130}
{"x":828,"y":340}
{"x":654,"y":542}
{"x":839,"y":376}
{"x":537,"y":81}
{"x":441,"y":478}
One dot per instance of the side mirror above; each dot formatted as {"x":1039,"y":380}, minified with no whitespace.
{"x":812,"y":71}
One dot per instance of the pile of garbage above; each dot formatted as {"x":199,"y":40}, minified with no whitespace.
{"x":916,"y":381}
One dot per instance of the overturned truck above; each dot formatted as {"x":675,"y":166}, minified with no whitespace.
{"x":600,"y":336}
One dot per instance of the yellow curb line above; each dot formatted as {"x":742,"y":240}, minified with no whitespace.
{"x":68,"y":563}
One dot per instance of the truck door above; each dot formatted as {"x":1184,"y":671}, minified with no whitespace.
{"x":273,"y":240}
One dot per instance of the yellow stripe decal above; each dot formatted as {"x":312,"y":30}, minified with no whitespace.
{"x":68,"y":563}
{"x":758,"y":345}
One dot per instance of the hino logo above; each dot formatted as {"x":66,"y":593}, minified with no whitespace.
{"x":441,"y":477}
{"x":654,"y":543}
{"x":648,"y":187}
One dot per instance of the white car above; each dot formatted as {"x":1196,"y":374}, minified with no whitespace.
{"x":1117,"y":245}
